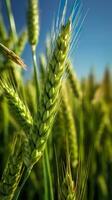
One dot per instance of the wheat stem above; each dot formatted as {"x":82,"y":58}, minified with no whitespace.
{"x":11,"y":19}
{"x":3,"y":32}
{"x":36,"y":75}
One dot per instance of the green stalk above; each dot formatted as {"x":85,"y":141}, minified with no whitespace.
{"x":5,"y":125}
{"x":3,"y":31}
{"x":11,"y":19}
{"x":45,"y":179}
{"x":48,"y":185}
{"x":26,"y":176}
{"x":5,"y":118}
{"x":35,"y":73}
{"x":81,"y":134}
{"x":51,"y":196}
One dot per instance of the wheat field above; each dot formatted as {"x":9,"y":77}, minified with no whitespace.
{"x":55,"y":129}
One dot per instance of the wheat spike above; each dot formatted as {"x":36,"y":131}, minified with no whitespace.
{"x":18,"y":107}
{"x":49,"y":100}
{"x":70,"y":128}
{"x":12,"y":172}
{"x":33,"y":22}
{"x":11,"y":55}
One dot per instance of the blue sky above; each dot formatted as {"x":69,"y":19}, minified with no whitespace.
{"x":95,"y":45}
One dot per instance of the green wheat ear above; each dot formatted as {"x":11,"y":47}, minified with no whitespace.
{"x":19,"y":47}
{"x":49,"y":100}
{"x":19,"y":109}
{"x":68,"y":188}
{"x":33,"y":22}
{"x":70,"y":128}
{"x":12,"y":172}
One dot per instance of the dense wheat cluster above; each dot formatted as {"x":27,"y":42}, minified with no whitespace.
{"x":55,"y":129}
